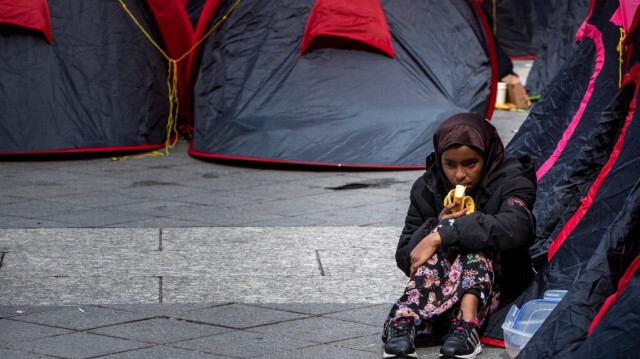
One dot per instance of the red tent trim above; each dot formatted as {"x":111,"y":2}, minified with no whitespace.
{"x":492,"y":342}
{"x":612,"y":298}
{"x":88,"y":150}
{"x":337,"y":22}
{"x":493,"y":57}
{"x":215,"y":156}
{"x":587,"y":201}
{"x":30,"y":14}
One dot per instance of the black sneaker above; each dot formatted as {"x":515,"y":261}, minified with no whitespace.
{"x":462,"y":341}
{"x":400,"y":336}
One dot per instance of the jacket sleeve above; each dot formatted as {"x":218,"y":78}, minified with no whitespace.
{"x":420,"y":220}
{"x":511,"y":226}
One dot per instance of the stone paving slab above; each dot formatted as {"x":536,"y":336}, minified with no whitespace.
{"x":77,"y":345}
{"x":316,"y":309}
{"x":36,"y":183}
{"x":236,"y":330}
{"x":27,"y":289}
{"x":98,"y":199}
{"x":156,"y":222}
{"x":226,"y":217}
{"x":124,"y":262}
{"x":322,"y":352}
{"x":78,"y":239}
{"x":358,"y":262}
{"x":368,"y":343}
{"x":10,"y":311}
{"x":39,"y":208}
{"x":319,"y":329}
{"x":282,"y":289}
{"x":14,"y":331}
{"x":96,"y":217}
{"x":372,"y":315}
{"x":19,"y":354}
{"x":240,"y":316}
{"x":9,"y":221}
{"x":81,"y":317}
{"x":372,"y":215}
{"x":176,"y":265}
{"x":156,"y":310}
{"x":244,"y":344}
{"x":159,"y":330}
{"x":162,"y":352}
{"x":181,"y":191}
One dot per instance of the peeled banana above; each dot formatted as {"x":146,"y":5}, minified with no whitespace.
{"x":457,"y":195}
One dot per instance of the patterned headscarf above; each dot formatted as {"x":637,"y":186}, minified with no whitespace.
{"x":469,"y":129}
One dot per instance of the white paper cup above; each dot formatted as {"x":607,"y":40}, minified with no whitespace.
{"x":501,"y":95}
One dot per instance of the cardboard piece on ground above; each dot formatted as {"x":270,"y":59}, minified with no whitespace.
{"x":506,"y":106}
{"x":516,"y":92}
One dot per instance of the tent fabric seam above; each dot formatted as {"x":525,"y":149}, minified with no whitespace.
{"x":594,"y":34}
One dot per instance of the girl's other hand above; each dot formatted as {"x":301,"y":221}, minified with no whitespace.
{"x":424,"y":250}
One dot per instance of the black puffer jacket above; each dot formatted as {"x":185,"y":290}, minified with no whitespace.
{"x":502,"y":222}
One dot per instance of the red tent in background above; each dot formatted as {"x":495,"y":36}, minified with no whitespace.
{"x":340,"y":23}
{"x":32,"y":15}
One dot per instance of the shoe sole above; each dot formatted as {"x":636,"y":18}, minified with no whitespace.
{"x":467,"y":356}
{"x":398,"y":356}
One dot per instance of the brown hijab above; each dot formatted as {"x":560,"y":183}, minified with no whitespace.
{"x":469,"y":129}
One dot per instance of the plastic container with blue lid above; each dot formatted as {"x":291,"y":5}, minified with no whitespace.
{"x":520,"y":324}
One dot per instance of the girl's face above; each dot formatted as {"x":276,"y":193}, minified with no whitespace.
{"x":463,"y":166}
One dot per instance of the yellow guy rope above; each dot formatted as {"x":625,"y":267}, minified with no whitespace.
{"x":495,"y":21}
{"x":620,"y":50}
{"x":172,"y":77}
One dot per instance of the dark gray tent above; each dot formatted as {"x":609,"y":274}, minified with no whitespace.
{"x":79,"y":76}
{"x":327,"y":82}
{"x":519,"y":25}
{"x":558,"y":43}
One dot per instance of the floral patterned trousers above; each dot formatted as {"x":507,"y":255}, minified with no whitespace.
{"x":436,"y":288}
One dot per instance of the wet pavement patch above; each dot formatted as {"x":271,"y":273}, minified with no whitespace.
{"x":378,"y":183}
{"x":153,"y":183}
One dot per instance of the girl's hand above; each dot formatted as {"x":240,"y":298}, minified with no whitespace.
{"x":447,"y":214}
{"x":423,"y":251}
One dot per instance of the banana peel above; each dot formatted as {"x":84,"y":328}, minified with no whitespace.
{"x":457,"y":195}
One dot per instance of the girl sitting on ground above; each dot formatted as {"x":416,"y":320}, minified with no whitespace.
{"x":461,"y":265}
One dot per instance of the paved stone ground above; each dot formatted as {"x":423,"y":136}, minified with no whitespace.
{"x":175,"y":257}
